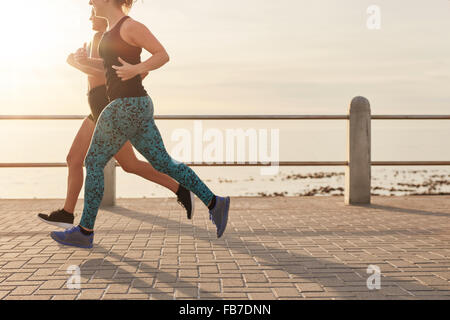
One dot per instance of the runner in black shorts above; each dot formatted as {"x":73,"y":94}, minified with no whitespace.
{"x":98,"y":100}
{"x":126,"y":157}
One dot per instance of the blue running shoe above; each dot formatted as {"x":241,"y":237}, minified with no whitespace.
{"x":73,"y":237}
{"x":219,"y":214}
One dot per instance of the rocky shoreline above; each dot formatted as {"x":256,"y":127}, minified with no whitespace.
{"x":396,"y":183}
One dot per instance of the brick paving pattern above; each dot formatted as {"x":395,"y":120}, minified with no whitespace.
{"x":274,"y":248}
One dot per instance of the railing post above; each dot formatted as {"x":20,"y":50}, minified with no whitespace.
{"x":109,"y":196}
{"x":358,"y":171}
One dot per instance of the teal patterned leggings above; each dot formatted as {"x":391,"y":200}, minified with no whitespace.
{"x":131,"y":119}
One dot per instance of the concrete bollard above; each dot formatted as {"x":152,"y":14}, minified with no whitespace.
{"x":109,"y":196}
{"x":358,"y":171}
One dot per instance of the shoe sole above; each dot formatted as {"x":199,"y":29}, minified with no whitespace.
{"x":57,"y":224}
{"x":192,"y":204}
{"x":225,"y":218}
{"x":69,"y":244}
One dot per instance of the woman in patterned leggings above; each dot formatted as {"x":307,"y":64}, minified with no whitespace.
{"x":129,"y":116}
{"x":98,"y":100}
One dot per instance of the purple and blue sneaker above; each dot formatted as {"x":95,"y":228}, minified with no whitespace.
{"x":73,"y":237}
{"x":219,"y":214}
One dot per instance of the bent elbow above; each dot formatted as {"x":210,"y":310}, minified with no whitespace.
{"x":167,"y":58}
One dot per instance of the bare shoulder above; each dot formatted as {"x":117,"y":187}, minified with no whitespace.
{"x":97,"y":36}
{"x":133,"y":31}
{"x":93,"y":46}
{"x":132,"y":26}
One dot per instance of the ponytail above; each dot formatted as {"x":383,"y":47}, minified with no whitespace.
{"x":125,"y":4}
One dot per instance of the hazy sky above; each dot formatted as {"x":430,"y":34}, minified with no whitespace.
{"x":243,"y":56}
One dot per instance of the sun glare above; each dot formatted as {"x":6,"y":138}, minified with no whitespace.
{"x":37,"y":36}
{"x":34,"y":30}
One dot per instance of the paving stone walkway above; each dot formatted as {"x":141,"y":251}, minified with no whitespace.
{"x":274,"y":248}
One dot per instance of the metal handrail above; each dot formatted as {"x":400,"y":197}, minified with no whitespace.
{"x":192,"y":164}
{"x":237,"y":117}
{"x":243,"y":117}
{"x":248,"y":164}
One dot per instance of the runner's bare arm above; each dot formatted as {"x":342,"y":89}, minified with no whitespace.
{"x":82,"y":57}
{"x":84,"y":68}
{"x":136,"y":34}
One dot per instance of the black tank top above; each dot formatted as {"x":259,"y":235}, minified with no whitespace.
{"x":110,"y":48}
